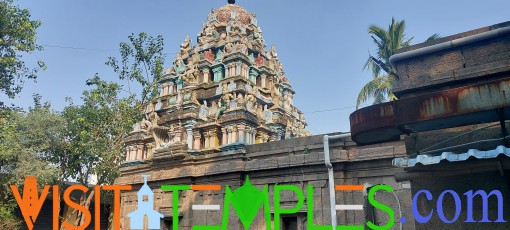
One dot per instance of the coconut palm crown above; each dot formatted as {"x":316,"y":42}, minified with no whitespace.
{"x":384,"y":75}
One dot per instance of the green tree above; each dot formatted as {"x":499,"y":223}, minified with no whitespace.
{"x":95,"y":131}
{"x":94,"y":134}
{"x":39,"y":133}
{"x":141,"y":62}
{"x":96,"y":128}
{"x":8,"y":149}
{"x":384,"y":74}
{"x":17,"y":37}
{"x":26,"y":138}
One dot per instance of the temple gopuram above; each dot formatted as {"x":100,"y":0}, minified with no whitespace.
{"x":225,"y":114}
{"x":221,"y":94}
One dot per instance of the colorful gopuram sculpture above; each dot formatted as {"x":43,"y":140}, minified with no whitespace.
{"x":225,"y":92}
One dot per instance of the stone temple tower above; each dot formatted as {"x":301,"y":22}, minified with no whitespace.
{"x":222,"y":93}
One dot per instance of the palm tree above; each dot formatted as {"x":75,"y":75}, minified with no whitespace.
{"x":384,"y":74}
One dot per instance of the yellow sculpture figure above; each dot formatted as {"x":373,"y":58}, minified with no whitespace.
{"x":159,"y":133}
{"x":185,"y":46}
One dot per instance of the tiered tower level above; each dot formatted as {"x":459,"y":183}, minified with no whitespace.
{"x":225,"y":92}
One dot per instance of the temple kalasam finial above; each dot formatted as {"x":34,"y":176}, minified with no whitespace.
{"x":231,"y":1}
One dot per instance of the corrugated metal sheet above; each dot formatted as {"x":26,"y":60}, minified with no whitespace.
{"x":451,"y":157}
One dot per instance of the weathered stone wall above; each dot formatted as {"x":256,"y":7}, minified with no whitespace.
{"x":297,"y":162}
{"x":476,"y":62}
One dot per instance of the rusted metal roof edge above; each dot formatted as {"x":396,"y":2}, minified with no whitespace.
{"x":445,"y":109}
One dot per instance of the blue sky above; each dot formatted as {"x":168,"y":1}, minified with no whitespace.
{"x":322,"y":44}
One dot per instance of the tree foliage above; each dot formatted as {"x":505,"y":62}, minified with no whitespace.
{"x":17,"y":37}
{"x":26,"y":139}
{"x":19,"y":156}
{"x":84,"y":139}
{"x":384,"y":75}
{"x":94,"y":132}
{"x":81,"y":141}
{"x":141,"y":62}
{"x":93,"y":137}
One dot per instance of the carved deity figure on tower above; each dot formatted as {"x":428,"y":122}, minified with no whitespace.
{"x":250,"y":103}
{"x":248,"y":88}
{"x":233,"y":15}
{"x":260,"y":113}
{"x":257,"y":36}
{"x":159,"y":133}
{"x":227,"y":98}
{"x":219,"y":56}
{"x":286,"y":104}
{"x":259,"y":61}
{"x":245,"y":40}
{"x":219,"y":90}
{"x":229,"y":48}
{"x":195,"y":58}
{"x":179,"y":65}
{"x":210,"y":32}
{"x":254,"y":19}
{"x":204,"y":111}
{"x":273,"y":53}
{"x":192,"y":72}
{"x":209,"y":55}
{"x":243,"y":48}
{"x":279,"y":69}
{"x":186,"y":46}
{"x":194,"y":98}
{"x":240,"y":100}
{"x":232,"y":86}
{"x":268,"y":115}
{"x":212,"y":16}
{"x":213,"y":110}
{"x":224,"y":88}
{"x":179,"y":98}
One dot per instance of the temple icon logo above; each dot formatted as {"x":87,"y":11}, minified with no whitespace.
{"x":145,"y":208}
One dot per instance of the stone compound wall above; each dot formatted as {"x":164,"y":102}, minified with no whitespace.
{"x":298,"y":162}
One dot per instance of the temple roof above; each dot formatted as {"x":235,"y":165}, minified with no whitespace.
{"x":228,"y":12}
{"x":221,"y":93}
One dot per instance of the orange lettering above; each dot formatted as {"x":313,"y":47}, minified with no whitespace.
{"x":85,"y":211}
{"x":116,"y":202}
{"x":97,"y":202}
{"x":31,"y":203}
{"x":56,"y":206}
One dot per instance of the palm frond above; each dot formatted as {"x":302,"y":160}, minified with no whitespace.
{"x":369,"y":90}
{"x":382,"y":65}
{"x":387,"y":42}
{"x":370,"y":64}
{"x":433,"y":37}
